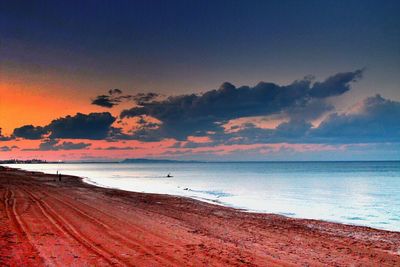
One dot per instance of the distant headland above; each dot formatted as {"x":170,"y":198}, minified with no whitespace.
{"x":133,"y":160}
{"x":143,"y":160}
{"x":19,"y":161}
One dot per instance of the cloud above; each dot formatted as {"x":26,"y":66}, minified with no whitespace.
{"x":191,"y":115}
{"x":115,"y":91}
{"x":4,"y":138}
{"x":336,"y":84}
{"x":30,"y":132}
{"x":104,"y":101}
{"x":143,"y":129}
{"x":376,"y":120}
{"x":7,"y":148}
{"x":116,"y":148}
{"x":94,"y":126}
{"x":292,"y":129}
{"x":142,"y":98}
{"x":115,"y":97}
{"x":200,"y":121}
{"x":311,"y":110}
{"x":54,"y":145}
{"x":141,"y":134}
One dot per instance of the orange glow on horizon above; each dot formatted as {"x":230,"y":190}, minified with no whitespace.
{"x":26,"y":104}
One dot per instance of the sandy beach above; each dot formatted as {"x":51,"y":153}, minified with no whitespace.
{"x":44,"y":222}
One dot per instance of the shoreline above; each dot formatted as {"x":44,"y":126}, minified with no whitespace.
{"x":87,"y":180}
{"x":46,"y":222}
{"x":194,"y":194}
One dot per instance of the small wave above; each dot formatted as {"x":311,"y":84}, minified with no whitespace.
{"x":140,"y":177}
{"x":215,"y":193}
{"x":287,"y":213}
{"x":380,"y":223}
{"x":355,"y":218}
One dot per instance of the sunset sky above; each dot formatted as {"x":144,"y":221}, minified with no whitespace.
{"x":223,"y":80}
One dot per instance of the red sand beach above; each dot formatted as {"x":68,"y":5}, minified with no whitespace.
{"x":44,"y":222}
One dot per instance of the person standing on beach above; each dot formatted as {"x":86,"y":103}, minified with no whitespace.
{"x":59,"y":177}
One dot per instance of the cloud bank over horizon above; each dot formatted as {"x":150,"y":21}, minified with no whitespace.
{"x":185,"y":115}
{"x":303,"y":113}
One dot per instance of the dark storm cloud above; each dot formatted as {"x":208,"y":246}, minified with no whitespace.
{"x":377,"y":120}
{"x":193,"y":114}
{"x":142,"y":98}
{"x":30,"y":132}
{"x":293,"y":131}
{"x":94,"y":126}
{"x":312,"y":109}
{"x":54,"y":145}
{"x":104,"y":101}
{"x":4,"y":138}
{"x":335,"y":85}
{"x":115,"y":97}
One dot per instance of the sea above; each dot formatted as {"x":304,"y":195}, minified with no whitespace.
{"x":357,"y":193}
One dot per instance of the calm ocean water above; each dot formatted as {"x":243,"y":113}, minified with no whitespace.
{"x":361,"y":193}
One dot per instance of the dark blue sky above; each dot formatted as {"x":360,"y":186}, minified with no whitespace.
{"x":190,"y":45}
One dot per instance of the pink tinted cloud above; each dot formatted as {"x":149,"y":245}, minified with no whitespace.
{"x":199,"y":139}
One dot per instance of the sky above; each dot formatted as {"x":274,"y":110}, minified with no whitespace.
{"x":200,"y":80}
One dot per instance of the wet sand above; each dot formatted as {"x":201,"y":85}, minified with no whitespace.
{"x":44,"y":222}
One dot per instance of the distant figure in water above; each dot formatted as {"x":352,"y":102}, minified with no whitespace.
{"x":59,"y":177}
{"x":169,"y":175}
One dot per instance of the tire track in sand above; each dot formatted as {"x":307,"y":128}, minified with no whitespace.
{"x":172,"y":260}
{"x":116,"y":235}
{"x":137,"y":228}
{"x":23,"y":236}
{"x":69,"y":230}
